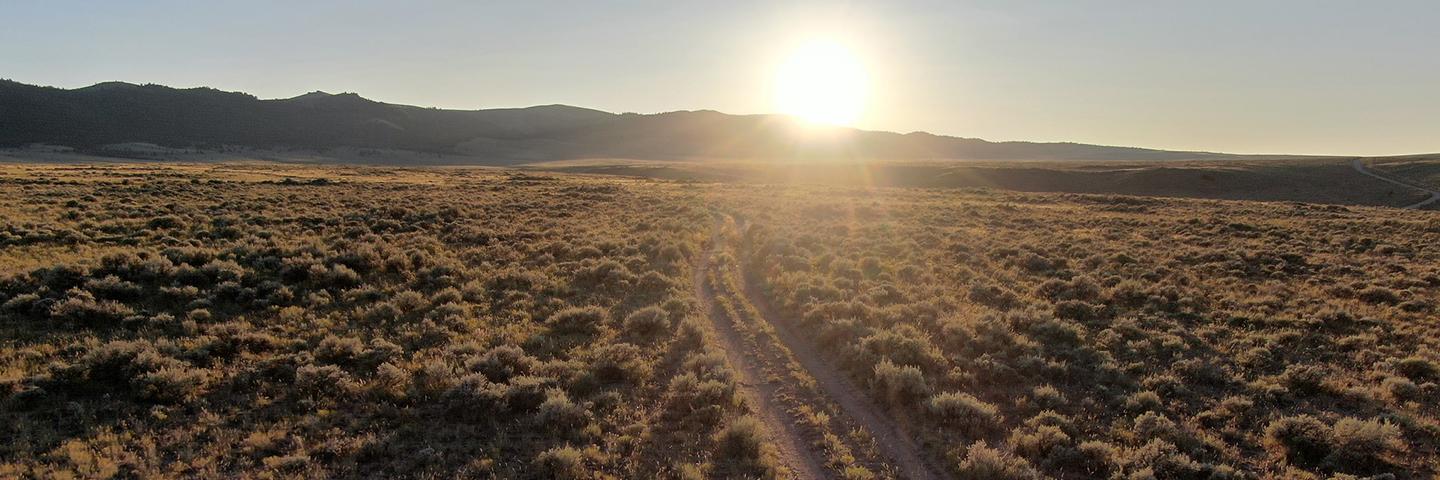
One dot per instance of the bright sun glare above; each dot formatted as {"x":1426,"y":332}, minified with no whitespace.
{"x":822,"y":82}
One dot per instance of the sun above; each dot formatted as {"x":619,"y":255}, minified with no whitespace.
{"x":822,"y":82}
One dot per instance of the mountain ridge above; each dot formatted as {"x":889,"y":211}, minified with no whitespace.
{"x":204,"y":117}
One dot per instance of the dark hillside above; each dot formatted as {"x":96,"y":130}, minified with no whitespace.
{"x":116,"y":112}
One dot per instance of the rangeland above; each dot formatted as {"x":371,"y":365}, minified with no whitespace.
{"x":189,"y":321}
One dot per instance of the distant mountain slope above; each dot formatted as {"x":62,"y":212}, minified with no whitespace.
{"x":117,"y":112}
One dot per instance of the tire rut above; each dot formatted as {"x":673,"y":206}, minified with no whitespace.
{"x":794,"y":452}
{"x":889,"y":434}
{"x":1359,"y":166}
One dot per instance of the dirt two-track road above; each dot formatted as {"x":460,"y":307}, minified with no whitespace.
{"x":794,"y":452}
{"x":801,"y":456}
{"x":1359,"y":165}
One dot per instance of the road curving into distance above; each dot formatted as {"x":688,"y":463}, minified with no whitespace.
{"x":1359,"y":166}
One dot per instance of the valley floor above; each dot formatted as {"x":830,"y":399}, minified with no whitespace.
{"x":292,"y":321}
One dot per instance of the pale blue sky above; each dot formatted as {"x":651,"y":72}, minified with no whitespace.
{"x":1257,"y":76}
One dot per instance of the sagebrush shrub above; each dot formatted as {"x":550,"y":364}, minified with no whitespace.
{"x":1095,"y":457}
{"x":980,"y":462}
{"x":1378,"y":294}
{"x":1047,"y":397}
{"x":620,"y":363}
{"x":647,"y":322}
{"x":503,"y":362}
{"x":1144,"y":401}
{"x":1418,"y":369}
{"x":703,"y":401}
{"x":559,"y":413}
{"x":80,"y":306}
{"x":577,"y":320}
{"x":1303,"y":439}
{"x":324,"y":381}
{"x":390,"y":382}
{"x":172,"y":384}
{"x":338,"y":350}
{"x":1363,"y":443}
{"x":562,"y":463}
{"x":742,"y":443}
{"x":1399,"y":388}
{"x":474,"y":397}
{"x":964,"y":412}
{"x":1305,"y":379}
{"x":1036,"y":442}
{"x":526,"y":393}
{"x":900,"y":385}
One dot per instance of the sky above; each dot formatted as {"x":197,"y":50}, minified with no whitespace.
{"x":1342,"y":77}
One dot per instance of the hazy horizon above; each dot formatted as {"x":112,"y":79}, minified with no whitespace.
{"x":1288,"y":77}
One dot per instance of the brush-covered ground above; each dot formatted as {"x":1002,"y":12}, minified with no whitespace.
{"x":1315,"y":180}
{"x":174,"y":321}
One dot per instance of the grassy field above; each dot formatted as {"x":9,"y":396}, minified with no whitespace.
{"x":265,"y":321}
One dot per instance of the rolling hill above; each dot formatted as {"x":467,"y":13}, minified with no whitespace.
{"x":205,"y":118}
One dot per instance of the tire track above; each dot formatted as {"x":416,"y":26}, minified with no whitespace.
{"x":794,"y":452}
{"x":891,"y":439}
{"x":1359,"y":166}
